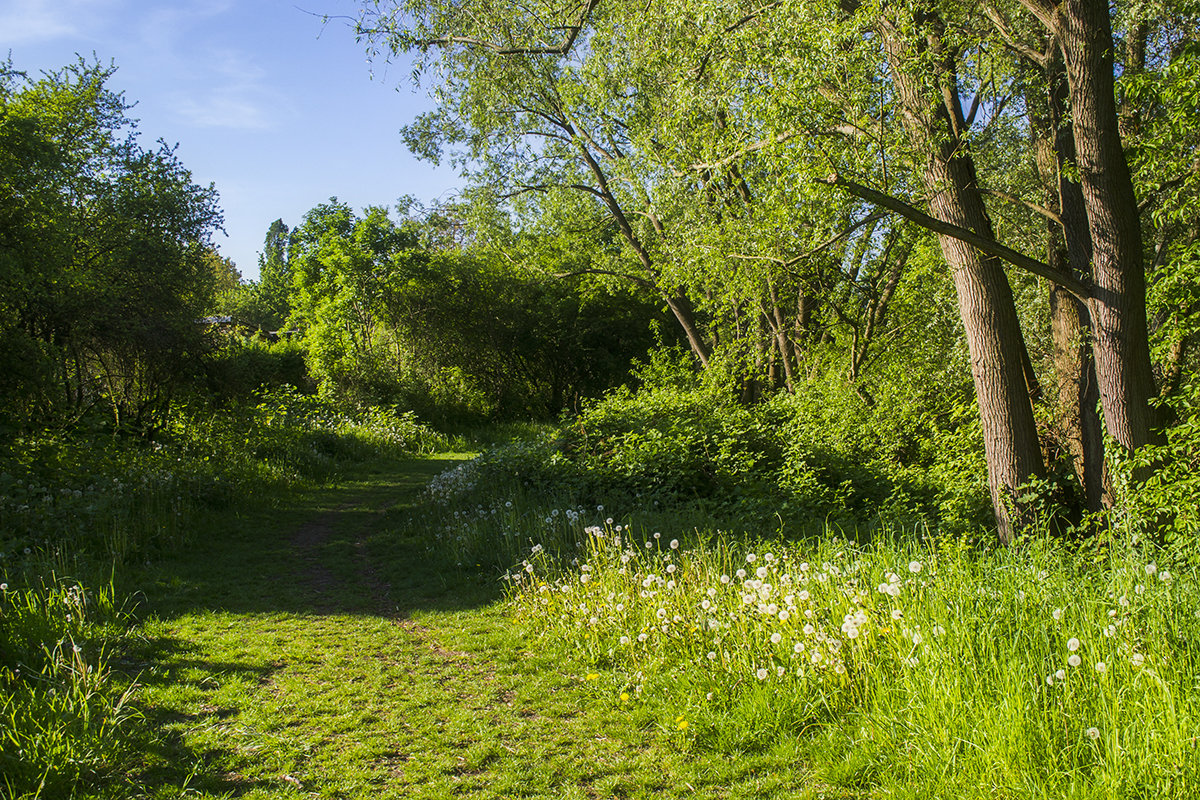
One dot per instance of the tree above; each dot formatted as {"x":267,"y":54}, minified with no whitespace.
{"x":104,"y":249}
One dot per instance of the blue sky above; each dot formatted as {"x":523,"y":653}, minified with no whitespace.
{"x":277,"y":109}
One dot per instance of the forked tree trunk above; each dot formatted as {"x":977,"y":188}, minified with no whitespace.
{"x":933,"y":122}
{"x":1069,"y":252}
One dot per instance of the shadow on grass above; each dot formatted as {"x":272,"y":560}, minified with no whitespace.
{"x":334,"y":552}
{"x":330,"y":553}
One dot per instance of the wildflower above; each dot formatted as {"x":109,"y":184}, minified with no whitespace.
{"x":681,"y":723}
{"x":674,"y":544}
{"x":661,"y":613}
{"x":712,"y":656}
{"x":1049,"y":680}
{"x":1137,"y":659}
{"x":624,"y":640}
{"x":916,"y":638}
{"x":1060,"y":675}
{"x":1074,"y":660}
{"x":1057,"y":614}
{"x":1093,"y":733}
{"x":624,"y":697}
{"x":776,"y":637}
{"x":784,"y":615}
{"x":1110,"y":631}
{"x":1151,"y":568}
{"x":804,"y":595}
{"x":1139,"y":589}
{"x":608,"y":521}
{"x":1072,"y":644}
{"x":725,"y":579}
{"x":741,"y":573}
{"x":1101,"y":667}
{"x":914,"y":567}
{"x":643,"y":637}
{"x":1164,"y":576}
{"x":670,"y":567}
{"x":657,"y":534}
{"x":751,"y":558}
{"x":761,"y":674}
{"x":761,"y":572}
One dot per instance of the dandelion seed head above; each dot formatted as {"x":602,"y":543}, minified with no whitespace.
{"x":1093,"y":733}
{"x":1074,"y":660}
{"x":914,"y":567}
{"x":1073,"y":644}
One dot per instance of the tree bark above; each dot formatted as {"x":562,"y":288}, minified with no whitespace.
{"x":1118,"y":305}
{"x":985,"y":298}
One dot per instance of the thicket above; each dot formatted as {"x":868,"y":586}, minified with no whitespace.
{"x":407,"y":315}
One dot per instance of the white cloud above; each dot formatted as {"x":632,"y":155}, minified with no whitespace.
{"x":162,"y":27}
{"x":35,"y":21}
{"x":226,"y":107}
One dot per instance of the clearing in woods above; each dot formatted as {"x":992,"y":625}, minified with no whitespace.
{"x":320,"y":650}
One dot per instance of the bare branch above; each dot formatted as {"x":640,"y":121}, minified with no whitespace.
{"x":745,"y":151}
{"x":1034,"y":207}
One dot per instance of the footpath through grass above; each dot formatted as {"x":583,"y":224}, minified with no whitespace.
{"x":322,"y":650}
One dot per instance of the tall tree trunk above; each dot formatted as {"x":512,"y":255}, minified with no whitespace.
{"x":685,"y":313}
{"x":1068,"y":251}
{"x":934,"y":126}
{"x":1118,"y":304}
{"x":779,"y":327}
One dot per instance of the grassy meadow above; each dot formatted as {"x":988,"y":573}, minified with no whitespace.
{"x":303,"y":603}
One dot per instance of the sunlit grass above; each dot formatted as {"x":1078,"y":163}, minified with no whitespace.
{"x":910,"y":664}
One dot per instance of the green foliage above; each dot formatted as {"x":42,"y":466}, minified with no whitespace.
{"x":1166,"y":504}
{"x":240,"y":365}
{"x":104,"y":258}
{"x":457,"y":336}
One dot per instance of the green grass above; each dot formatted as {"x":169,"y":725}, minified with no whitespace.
{"x":344,"y":659}
{"x":362,"y":640}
